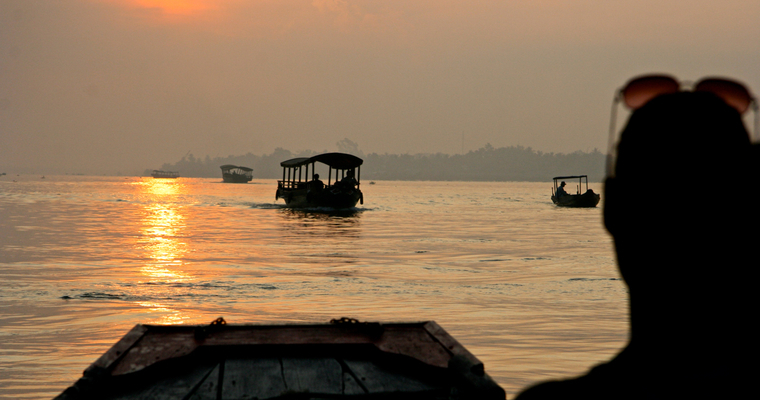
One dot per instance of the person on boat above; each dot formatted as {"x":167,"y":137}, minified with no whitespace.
{"x":315,"y":183}
{"x":348,"y":181}
{"x":561,"y":189}
{"x":691,"y":312}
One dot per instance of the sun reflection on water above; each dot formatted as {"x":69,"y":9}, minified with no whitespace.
{"x":162,"y":241}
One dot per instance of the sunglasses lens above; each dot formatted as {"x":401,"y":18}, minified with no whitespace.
{"x":733,"y":93}
{"x":640,"y":90}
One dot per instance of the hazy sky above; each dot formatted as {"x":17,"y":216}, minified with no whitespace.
{"x":111,"y":86}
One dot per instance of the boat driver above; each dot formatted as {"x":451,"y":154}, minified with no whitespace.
{"x":561,"y":189}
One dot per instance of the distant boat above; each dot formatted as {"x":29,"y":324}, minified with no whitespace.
{"x":345,"y":359}
{"x":164,"y":174}
{"x":236,"y":174}
{"x":586,"y":199}
{"x":299,"y":190}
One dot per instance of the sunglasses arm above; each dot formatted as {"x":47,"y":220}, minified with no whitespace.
{"x":755,"y":137}
{"x":613,"y":126}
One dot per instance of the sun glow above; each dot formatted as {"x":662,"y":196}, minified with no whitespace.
{"x":177,"y":7}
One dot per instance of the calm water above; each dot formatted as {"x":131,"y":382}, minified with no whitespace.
{"x":531,"y":289}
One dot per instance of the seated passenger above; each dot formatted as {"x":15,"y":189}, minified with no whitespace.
{"x":315,"y":183}
{"x":349,"y":180}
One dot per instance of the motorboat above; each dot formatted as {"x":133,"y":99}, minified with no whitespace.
{"x":164,"y":174}
{"x":585,"y":199}
{"x":236,"y":174}
{"x":301,"y":187}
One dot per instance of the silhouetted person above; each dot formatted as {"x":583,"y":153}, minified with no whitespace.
{"x":688,"y":259}
{"x":561,"y":189}
{"x":315,"y":183}
{"x":348,"y":182}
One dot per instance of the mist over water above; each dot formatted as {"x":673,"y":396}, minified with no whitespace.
{"x":532,"y":290}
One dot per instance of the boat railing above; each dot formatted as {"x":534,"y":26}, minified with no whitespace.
{"x":291,"y":185}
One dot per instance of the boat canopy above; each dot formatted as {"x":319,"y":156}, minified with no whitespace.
{"x":228,"y":167}
{"x":343,"y":164}
{"x":571,"y":177}
{"x":581,"y":179}
{"x":295,"y":162}
{"x":333,"y":160}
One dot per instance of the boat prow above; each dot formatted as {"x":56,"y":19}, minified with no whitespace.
{"x":344,"y":359}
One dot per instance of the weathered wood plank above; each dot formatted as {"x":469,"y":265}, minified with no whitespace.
{"x":313,"y":375}
{"x":209,"y":388}
{"x":122,"y":346}
{"x":155,"y":347}
{"x":350,"y":385}
{"x":377,"y":379}
{"x":416,"y":343}
{"x":169,"y":386}
{"x":252,"y":379}
{"x":451,"y":344}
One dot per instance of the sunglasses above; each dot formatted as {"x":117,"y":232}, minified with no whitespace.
{"x":639,"y":91}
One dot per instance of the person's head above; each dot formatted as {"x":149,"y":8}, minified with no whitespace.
{"x":651,"y":206}
{"x":563,"y":184}
{"x":316,"y":176}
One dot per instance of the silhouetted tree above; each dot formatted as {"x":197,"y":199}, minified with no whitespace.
{"x":514,"y":163}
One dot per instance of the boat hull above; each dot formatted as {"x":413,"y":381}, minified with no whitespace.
{"x":328,"y":198}
{"x":588,"y":199}
{"x":236,"y":178}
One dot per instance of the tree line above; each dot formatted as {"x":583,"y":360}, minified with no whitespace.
{"x":513,"y":163}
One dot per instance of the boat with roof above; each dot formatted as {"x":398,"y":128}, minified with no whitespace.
{"x":301,"y":187}
{"x":164,"y":174}
{"x":345,"y":359}
{"x":564,"y":199}
{"x":236,"y":174}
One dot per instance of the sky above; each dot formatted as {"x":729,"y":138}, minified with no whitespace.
{"x":121,"y":86}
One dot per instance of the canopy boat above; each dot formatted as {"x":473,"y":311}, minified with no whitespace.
{"x":587,"y":199}
{"x":236,"y":174}
{"x":345,"y":359}
{"x":300,"y":187}
{"x":164,"y":174}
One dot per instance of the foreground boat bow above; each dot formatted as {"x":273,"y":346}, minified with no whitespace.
{"x":344,"y":359}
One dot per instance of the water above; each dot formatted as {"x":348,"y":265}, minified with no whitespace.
{"x":532,"y":290}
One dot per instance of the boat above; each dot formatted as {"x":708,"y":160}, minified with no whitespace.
{"x":236,"y":174}
{"x":345,"y":359}
{"x":586,"y":199}
{"x":164,"y":174}
{"x":300,"y":187}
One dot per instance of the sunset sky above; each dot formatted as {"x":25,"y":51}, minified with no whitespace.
{"x":120,"y":86}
